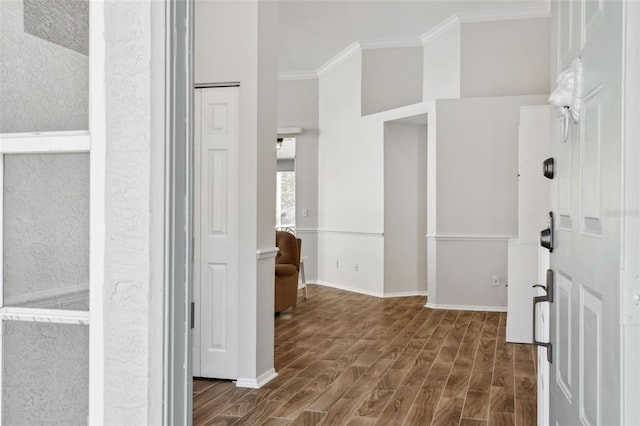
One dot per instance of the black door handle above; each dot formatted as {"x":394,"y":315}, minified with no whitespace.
{"x":539,"y":299}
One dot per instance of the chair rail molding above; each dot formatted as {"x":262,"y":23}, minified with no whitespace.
{"x":470,"y":237}
{"x":267,"y":253}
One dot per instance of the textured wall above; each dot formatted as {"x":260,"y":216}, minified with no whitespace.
{"x":46,"y":225}
{"x":127,"y":258}
{"x":45,"y":374}
{"x":43,"y":65}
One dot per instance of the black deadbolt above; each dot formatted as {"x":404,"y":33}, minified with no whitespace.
{"x":546,"y":235}
{"x":548,"y":168}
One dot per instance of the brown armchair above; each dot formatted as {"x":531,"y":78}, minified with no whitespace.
{"x":287,"y":269}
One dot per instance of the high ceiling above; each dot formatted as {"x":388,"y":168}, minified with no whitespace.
{"x":312,"y":32}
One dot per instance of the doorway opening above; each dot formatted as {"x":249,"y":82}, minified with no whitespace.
{"x":286,"y":184}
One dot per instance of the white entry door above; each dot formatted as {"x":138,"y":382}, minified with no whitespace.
{"x":216,"y":234}
{"x":585,"y":315}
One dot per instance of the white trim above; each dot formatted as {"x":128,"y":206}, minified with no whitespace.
{"x":289,"y":130}
{"x":630,"y":285}
{"x":471,"y":238}
{"x":343,"y":232}
{"x":405,"y":294}
{"x":39,"y":296}
{"x":341,"y":57}
{"x":297,"y":75}
{"x":519,"y":335}
{"x":58,"y":316}
{"x":424,"y":39}
{"x":307,"y":230}
{"x":391,"y":43}
{"x":258,"y":382}
{"x":443,"y":27}
{"x":97,"y":220}
{"x":1,"y":256}
{"x":506,"y":15}
{"x":484,"y":16}
{"x":466,"y":307}
{"x":46,"y":142}
{"x":267,"y":253}
{"x":1,"y":361}
{"x":377,"y":294}
{"x":349,"y":288}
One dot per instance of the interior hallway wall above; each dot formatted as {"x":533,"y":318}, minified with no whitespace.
{"x":405,"y":261}
{"x":350,"y":186}
{"x":477,"y":198}
{"x":391,"y":78}
{"x":298,"y":107}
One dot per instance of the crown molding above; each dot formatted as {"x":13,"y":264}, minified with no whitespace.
{"x":359,"y":46}
{"x":507,"y":15}
{"x":341,"y":57}
{"x":391,"y":43}
{"x":297,"y":75}
{"x":445,"y":26}
{"x":485,"y":16}
{"x":448,"y":24}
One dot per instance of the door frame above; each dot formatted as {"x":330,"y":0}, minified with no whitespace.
{"x":177,"y":347}
{"x":630,"y":264}
{"x":176,"y":166}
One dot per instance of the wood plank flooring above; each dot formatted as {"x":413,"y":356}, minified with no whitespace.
{"x":349,"y":359}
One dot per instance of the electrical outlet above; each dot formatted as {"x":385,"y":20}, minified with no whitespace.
{"x":355,"y":267}
{"x":495,"y":280}
{"x":305,"y":212}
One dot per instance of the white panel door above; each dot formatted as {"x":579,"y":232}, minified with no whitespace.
{"x":585,"y":316}
{"x":216,"y":233}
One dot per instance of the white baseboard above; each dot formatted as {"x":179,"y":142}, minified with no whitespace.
{"x":368,"y":292}
{"x":258,"y":382}
{"x":349,"y":288}
{"x":406,"y":294}
{"x":466,"y":307}
{"x":519,"y":335}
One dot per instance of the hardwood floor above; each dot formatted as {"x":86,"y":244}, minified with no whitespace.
{"x":349,"y":359}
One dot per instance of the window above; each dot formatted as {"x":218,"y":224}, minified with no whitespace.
{"x":51,"y":190}
{"x":286,"y":199}
{"x":286,"y":184}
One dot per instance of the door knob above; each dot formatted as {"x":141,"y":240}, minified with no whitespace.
{"x":546,"y":235}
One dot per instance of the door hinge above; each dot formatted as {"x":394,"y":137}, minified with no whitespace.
{"x":193,"y":314}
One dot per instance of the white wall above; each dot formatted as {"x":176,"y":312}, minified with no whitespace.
{"x":298,"y":107}
{"x":250,"y":60}
{"x":504,"y":58}
{"x":391,"y":78}
{"x":423,"y":211}
{"x":131,"y":277}
{"x":404,"y":207}
{"x":350,"y":185}
{"x":476,"y":190}
{"x":442,"y":66}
